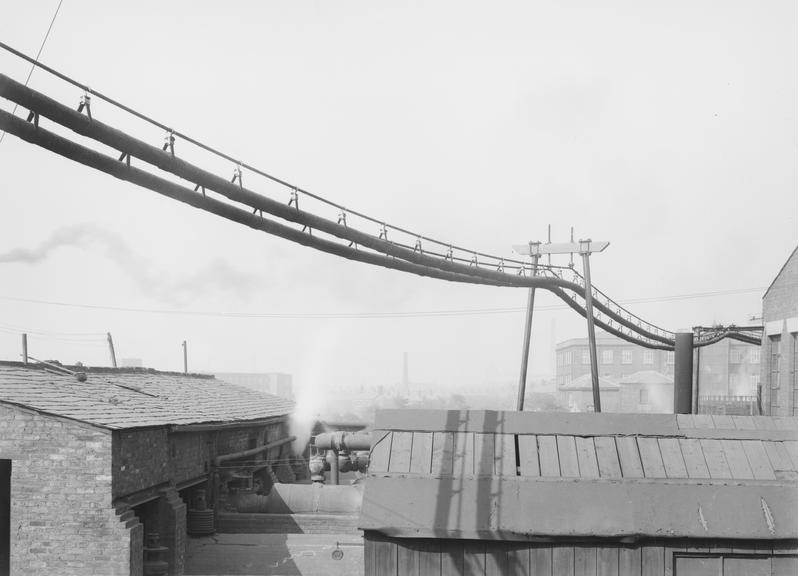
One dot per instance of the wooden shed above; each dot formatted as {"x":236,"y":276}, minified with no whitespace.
{"x":561,"y":494}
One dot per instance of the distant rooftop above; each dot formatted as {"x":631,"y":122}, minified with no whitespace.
{"x":118,"y":398}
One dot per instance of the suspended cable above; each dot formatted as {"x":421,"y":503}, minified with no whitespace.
{"x":36,"y":60}
{"x":361,"y":315}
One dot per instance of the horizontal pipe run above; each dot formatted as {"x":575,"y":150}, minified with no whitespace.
{"x":343,"y":441}
{"x":252,"y":451}
{"x":153,"y":155}
{"x":93,"y":159}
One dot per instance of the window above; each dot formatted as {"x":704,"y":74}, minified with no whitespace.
{"x":795,"y":374}
{"x":648,"y":357}
{"x":669,"y":358}
{"x":559,"y":359}
{"x":734,"y":565}
{"x":626,"y":357}
{"x":756,"y":354}
{"x":737,"y":355}
{"x":585,"y":356}
{"x":754,"y":381}
{"x":569,"y":358}
{"x":606,"y":357}
{"x":644,"y":395}
{"x":774,"y":375}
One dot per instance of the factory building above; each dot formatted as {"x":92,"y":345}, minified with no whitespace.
{"x":545,"y":494}
{"x":779,"y":367}
{"x":106,"y":474}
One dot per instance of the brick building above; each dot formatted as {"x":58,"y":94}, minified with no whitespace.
{"x":779,"y":366}
{"x":617,"y":358}
{"x":89,"y":468}
{"x":727,"y":370}
{"x":276,"y":383}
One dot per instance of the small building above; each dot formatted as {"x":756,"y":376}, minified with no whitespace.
{"x":90,"y":467}
{"x":779,"y":364}
{"x":727,"y":370}
{"x":616,"y":358}
{"x":277,"y":383}
{"x":646,"y":391}
{"x":577,"y":395}
{"x":561,"y":494}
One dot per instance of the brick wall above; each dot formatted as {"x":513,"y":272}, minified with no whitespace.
{"x":62,"y":520}
{"x":779,"y":375}
{"x":781,"y":300}
{"x":140,"y":460}
{"x":189,"y":456}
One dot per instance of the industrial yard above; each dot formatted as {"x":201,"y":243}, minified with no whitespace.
{"x":374,"y":289}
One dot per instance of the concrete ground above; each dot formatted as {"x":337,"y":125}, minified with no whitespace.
{"x":275,"y":554}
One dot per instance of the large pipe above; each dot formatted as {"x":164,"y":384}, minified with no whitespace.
{"x":683,"y":374}
{"x":343,"y":441}
{"x":96,"y":130}
{"x":252,"y":451}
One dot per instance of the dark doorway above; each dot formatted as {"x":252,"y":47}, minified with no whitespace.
{"x":5,"y":517}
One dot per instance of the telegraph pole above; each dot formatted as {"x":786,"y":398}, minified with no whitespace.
{"x":185,"y":357}
{"x":530,"y":306}
{"x":111,"y":350}
{"x":591,"y":328}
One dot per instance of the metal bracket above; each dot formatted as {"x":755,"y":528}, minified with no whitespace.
{"x":294,"y":200}
{"x":35,"y":117}
{"x":85,"y":102}
{"x":417,"y":247}
{"x":169,"y":141}
{"x":383,"y":232}
{"x":237,"y":175}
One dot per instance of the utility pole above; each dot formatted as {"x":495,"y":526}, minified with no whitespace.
{"x":585,"y":248}
{"x":185,"y":357}
{"x":25,"y":349}
{"x":591,"y":328}
{"x":530,"y":307}
{"x":111,"y":350}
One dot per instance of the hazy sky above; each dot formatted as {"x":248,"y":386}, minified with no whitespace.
{"x":669,"y":129}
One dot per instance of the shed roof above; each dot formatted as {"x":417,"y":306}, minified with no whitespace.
{"x":585,"y":382}
{"x":118,"y":399}
{"x":647,"y":377}
{"x":514,"y":476}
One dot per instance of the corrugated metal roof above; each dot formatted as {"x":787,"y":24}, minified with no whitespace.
{"x":119,"y":399}
{"x":699,"y":470}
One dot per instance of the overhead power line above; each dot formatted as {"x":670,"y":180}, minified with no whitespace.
{"x":368,"y":315}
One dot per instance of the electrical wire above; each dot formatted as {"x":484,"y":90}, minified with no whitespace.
{"x":36,"y":60}
{"x":367,"y":315}
{"x":417,"y":263}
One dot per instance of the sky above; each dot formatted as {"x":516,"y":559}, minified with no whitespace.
{"x":668,"y":129}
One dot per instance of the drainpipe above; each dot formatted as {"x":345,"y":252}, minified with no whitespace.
{"x":252,"y":451}
{"x":683,"y":374}
{"x":332,"y":458}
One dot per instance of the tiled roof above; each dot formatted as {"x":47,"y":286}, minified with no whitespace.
{"x":134,"y":399}
{"x":519,"y":475}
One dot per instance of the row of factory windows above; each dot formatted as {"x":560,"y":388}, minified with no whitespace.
{"x":737,"y":355}
{"x":570,"y":357}
{"x":782,"y":371}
